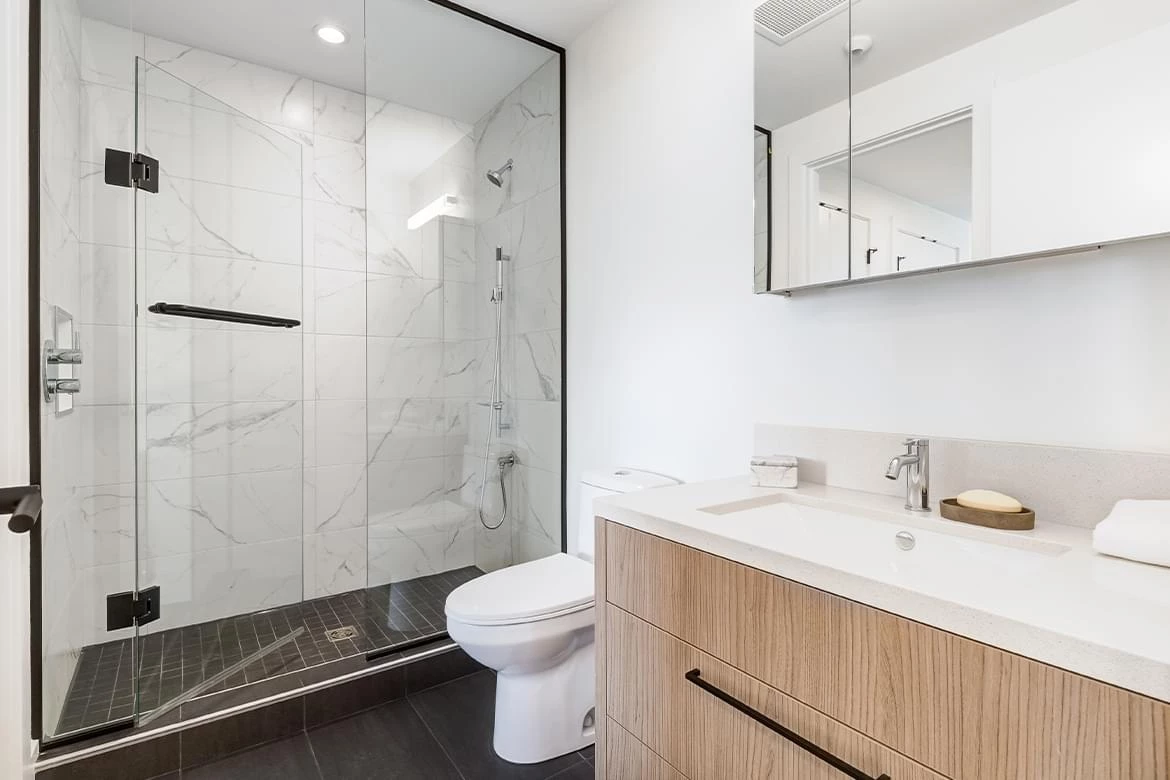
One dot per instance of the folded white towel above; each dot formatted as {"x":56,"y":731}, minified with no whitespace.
{"x":1138,"y":530}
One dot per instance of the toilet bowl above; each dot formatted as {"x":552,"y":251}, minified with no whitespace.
{"x":533,"y":624}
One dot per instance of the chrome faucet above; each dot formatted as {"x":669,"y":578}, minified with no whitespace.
{"x":916,"y":461}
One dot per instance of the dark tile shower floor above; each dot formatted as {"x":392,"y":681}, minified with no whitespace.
{"x":177,"y":659}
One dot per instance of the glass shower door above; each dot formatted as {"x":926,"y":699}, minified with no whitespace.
{"x":220,"y":389}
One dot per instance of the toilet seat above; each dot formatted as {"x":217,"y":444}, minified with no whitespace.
{"x":538,"y":590}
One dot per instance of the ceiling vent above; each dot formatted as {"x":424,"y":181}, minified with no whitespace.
{"x":783,"y":20}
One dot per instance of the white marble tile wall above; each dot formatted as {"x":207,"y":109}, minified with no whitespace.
{"x":524,"y":217}
{"x":418,"y":379}
{"x":419,"y":522}
{"x":220,"y":409}
{"x":1063,"y":485}
{"x":369,"y":291}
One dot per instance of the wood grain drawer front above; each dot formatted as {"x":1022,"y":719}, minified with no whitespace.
{"x":706,"y":738}
{"x":628,"y":759}
{"x":965,"y":709}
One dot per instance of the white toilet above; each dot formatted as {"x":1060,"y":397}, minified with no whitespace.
{"x":533,"y":624}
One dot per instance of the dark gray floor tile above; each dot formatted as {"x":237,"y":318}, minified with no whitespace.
{"x":134,"y":762}
{"x":387,"y":743}
{"x":210,"y":741}
{"x":582,"y":770}
{"x":439,"y":669}
{"x":341,"y":701}
{"x":289,"y":759}
{"x":461,"y":715}
{"x":587,"y":754}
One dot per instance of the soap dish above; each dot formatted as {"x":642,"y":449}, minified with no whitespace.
{"x":1024,"y":520}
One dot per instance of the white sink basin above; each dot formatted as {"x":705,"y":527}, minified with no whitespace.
{"x":890,"y":546}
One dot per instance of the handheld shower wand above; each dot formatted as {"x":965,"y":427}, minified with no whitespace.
{"x":496,"y":406}
{"x":498,"y":290}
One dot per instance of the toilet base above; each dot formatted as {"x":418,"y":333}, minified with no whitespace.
{"x":542,"y":715}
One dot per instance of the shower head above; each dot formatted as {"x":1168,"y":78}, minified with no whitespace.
{"x":496,"y":177}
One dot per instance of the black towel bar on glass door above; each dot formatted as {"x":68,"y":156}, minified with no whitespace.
{"x":694,"y":677}
{"x":222,"y":315}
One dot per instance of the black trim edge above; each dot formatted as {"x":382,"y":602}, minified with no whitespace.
{"x":34,"y":352}
{"x":490,"y":22}
{"x":564,"y":311}
{"x":402,"y":647}
{"x":768,"y":271}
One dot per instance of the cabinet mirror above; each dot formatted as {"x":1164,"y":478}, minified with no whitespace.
{"x":912,"y":136}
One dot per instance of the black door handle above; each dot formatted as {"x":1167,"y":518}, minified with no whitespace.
{"x":24,"y":504}
{"x":222,"y":315}
{"x":694,"y":677}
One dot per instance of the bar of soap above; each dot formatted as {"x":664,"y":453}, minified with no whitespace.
{"x":989,"y":500}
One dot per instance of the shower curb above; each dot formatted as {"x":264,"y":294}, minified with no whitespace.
{"x":204,"y":738}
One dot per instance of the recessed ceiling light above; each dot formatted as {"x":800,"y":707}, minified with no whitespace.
{"x":331,"y":34}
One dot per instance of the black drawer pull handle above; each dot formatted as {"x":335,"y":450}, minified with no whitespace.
{"x":693,"y":676}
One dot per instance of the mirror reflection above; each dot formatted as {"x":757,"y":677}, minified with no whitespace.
{"x":911,"y":199}
{"x":911,"y":135}
{"x":802,"y":93}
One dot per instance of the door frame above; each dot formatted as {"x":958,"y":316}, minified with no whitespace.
{"x":34,"y":355}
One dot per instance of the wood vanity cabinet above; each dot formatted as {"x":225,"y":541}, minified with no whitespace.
{"x":704,"y":664}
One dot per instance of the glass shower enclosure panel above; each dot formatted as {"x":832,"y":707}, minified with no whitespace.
{"x":463,"y":310}
{"x":86,"y":309}
{"x":220,"y":417}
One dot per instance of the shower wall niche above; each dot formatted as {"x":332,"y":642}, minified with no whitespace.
{"x":247,"y":469}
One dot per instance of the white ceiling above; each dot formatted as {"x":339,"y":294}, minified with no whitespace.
{"x":419,"y":54}
{"x":932,"y":168}
{"x":809,"y":72}
{"x":557,"y":21}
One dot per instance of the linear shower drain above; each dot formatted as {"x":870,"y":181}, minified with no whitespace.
{"x":341,"y":634}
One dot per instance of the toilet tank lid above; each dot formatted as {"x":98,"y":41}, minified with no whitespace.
{"x":624,"y":480}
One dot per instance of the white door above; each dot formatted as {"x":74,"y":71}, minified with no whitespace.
{"x":827,"y":261}
{"x":863,"y":260}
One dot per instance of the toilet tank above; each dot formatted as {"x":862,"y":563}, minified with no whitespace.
{"x":607,"y":482}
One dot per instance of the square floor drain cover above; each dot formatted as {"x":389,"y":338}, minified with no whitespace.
{"x":339,"y":634}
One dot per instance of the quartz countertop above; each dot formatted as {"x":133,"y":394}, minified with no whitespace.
{"x":1043,"y":594}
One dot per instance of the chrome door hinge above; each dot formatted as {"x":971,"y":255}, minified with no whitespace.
{"x":125,"y":169}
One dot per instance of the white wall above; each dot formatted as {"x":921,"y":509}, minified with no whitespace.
{"x":672,"y":359}
{"x":14,"y":667}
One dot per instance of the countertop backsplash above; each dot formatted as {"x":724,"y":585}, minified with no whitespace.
{"x":1065,"y":485}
